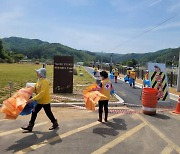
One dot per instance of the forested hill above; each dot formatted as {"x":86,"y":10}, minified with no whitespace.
{"x":37,"y":49}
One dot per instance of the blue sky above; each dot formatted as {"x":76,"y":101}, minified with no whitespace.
{"x":94,"y":25}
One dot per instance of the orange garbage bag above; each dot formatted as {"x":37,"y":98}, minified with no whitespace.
{"x":14,"y":105}
{"x":88,"y":89}
{"x":91,"y":98}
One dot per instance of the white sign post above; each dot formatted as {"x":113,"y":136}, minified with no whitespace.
{"x":178,"y":77}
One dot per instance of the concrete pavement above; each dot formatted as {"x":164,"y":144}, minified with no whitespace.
{"x":80,"y":133}
{"x":128,"y":130}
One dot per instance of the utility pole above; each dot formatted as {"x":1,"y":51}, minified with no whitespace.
{"x":101,"y":60}
{"x":111,"y":63}
{"x":178,"y":77}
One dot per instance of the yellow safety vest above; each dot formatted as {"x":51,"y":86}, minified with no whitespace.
{"x":105,"y":89}
{"x":116,"y":73}
{"x":132,"y":75}
{"x":42,"y":88}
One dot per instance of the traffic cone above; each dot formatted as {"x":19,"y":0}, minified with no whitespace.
{"x":177,"y":111}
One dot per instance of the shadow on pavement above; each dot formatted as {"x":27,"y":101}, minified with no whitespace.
{"x":117,"y":124}
{"x":161,"y":116}
{"x":33,"y":138}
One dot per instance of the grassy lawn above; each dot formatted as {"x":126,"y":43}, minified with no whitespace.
{"x":20,"y":74}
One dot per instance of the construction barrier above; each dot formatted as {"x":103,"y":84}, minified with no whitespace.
{"x":149,"y":100}
{"x":177,"y":111}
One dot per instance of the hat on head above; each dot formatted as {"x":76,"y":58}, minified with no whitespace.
{"x":41,"y":72}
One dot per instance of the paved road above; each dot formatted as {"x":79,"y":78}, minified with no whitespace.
{"x":132,"y":95}
{"x":80,"y":133}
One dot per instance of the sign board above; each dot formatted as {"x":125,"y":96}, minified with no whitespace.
{"x":158,"y":80}
{"x":63,"y":74}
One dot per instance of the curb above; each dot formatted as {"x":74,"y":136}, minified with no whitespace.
{"x":115,"y":104}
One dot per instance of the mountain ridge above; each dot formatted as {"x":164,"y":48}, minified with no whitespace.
{"x":38,"y":49}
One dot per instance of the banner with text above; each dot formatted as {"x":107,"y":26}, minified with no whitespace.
{"x":63,"y":74}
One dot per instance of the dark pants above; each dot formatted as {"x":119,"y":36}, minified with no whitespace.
{"x":115,"y":77}
{"x":102,"y":104}
{"x":47,"y":109}
{"x":133,"y":83}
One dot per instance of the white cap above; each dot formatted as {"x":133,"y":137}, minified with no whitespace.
{"x":28,"y":84}
{"x":41,"y":72}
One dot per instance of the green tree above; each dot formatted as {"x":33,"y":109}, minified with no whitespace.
{"x":17,"y":57}
{"x":134,"y":62}
{"x":129,"y":63}
{"x":2,"y":52}
{"x":1,"y":47}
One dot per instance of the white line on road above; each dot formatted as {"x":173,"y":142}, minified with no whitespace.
{"x":119,"y":139}
{"x":19,"y":129}
{"x":61,"y":136}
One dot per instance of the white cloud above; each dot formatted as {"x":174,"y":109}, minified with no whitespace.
{"x":10,"y":11}
{"x":78,"y":3}
{"x":128,"y":6}
{"x":14,"y":22}
{"x":155,"y":3}
{"x":7,"y":17}
{"x":175,"y":7}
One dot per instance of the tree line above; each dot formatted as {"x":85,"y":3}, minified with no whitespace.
{"x":13,"y":49}
{"x":8,"y":56}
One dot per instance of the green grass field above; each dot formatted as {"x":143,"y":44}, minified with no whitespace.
{"x":20,"y":74}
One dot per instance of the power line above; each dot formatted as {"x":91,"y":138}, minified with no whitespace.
{"x":144,"y":32}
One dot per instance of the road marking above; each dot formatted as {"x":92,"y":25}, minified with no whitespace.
{"x":122,"y":93}
{"x":167,"y":150}
{"x":119,"y":98}
{"x":134,"y":117}
{"x":119,"y":139}
{"x":164,"y":137}
{"x":19,"y":129}
{"x":61,"y":136}
{"x":160,"y":134}
{"x":174,"y":115}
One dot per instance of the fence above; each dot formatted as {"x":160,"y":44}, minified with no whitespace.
{"x":171,"y":77}
{"x":8,"y":90}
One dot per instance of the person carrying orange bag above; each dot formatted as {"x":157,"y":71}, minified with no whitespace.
{"x":14,"y":105}
{"x":104,"y":88}
{"x":42,"y":90}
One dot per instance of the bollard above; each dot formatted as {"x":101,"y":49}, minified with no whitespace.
{"x":142,"y":74}
{"x":44,"y":65}
{"x":171,"y":79}
{"x":149,"y":101}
